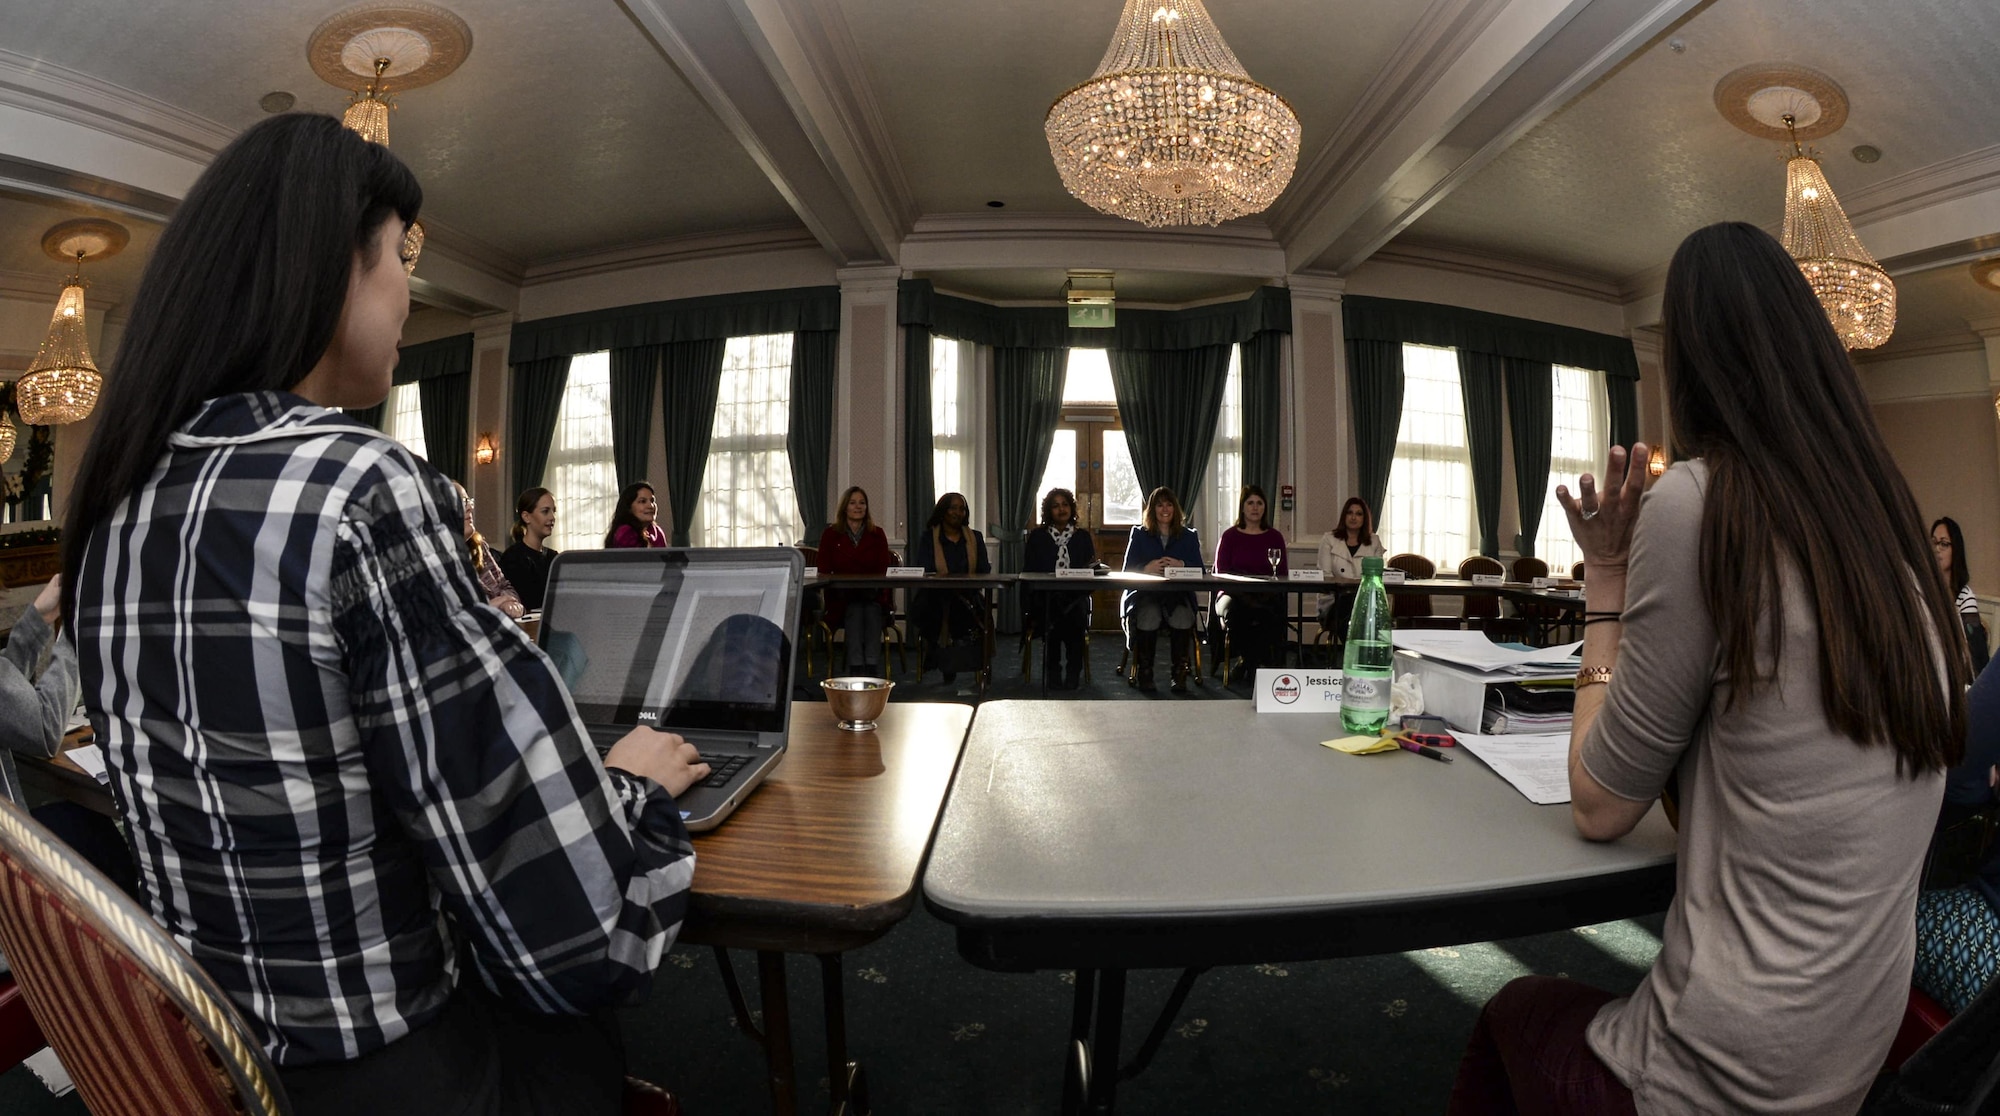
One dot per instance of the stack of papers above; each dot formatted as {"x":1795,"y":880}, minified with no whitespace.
{"x":1536,"y":764}
{"x":1474,"y":650}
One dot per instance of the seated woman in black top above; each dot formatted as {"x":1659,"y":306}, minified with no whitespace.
{"x":1059,"y":543}
{"x":948,"y":618}
{"x":526,"y":563}
{"x":1958,"y":928}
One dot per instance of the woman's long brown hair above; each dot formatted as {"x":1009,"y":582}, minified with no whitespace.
{"x":1761,"y":389}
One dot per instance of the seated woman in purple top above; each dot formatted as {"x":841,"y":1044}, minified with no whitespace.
{"x":632,"y":525}
{"x":1255,"y":621}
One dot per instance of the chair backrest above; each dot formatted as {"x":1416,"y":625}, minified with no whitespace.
{"x":1955,"y":1072}
{"x":1480,"y":607}
{"x":1415,"y":565}
{"x":1576,"y":572}
{"x":1528,"y":569}
{"x":811,"y":554}
{"x":138,"y":1025}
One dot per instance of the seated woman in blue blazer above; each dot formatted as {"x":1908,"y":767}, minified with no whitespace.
{"x":1162,"y":541}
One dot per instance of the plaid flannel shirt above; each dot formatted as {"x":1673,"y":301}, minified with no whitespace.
{"x":326,"y":744}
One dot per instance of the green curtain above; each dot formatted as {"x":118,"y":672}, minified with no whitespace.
{"x":809,"y":437}
{"x":371,"y":416}
{"x":1261,"y":413}
{"x":1375,"y":392}
{"x":446,"y":356}
{"x":1267,"y":309}
{"x":1027,"y":401}
{"x":634,"y":371}
{"x":1624,"y":399}
{"x":919,"y":486}
{"x":1479,"y":387}
{"x":692,"y":381}
{"x":446,"y":401}
{"x":534,"y":402}
{"x":1424,"y":323}
{"x":1169,"y":400}
{"x":708,"y":318}
{"x":1531,"y":412}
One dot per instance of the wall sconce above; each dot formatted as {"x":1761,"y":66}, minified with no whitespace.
{"x":1657,"y":464}
{"x":487,"y":451}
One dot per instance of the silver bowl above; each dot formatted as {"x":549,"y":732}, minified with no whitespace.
{"x":856,"y":701}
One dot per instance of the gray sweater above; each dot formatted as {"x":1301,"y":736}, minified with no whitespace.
{"x":39,"y":688}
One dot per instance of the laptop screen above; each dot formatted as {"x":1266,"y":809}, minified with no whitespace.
{"x":675,"y":639}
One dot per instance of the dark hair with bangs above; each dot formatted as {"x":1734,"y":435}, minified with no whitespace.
{"x":1761,"y":389}
{"x":243,"y":293}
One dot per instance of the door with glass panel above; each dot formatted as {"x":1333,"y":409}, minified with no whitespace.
{"x":1089,"y":457}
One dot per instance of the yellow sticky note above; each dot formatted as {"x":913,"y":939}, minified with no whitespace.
{"x":1361,"y":745}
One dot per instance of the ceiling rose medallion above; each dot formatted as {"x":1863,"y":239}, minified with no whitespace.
{"x":1171,"y":129}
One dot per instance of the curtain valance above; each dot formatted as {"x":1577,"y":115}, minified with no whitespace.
{"x":1424,"y":323}
{"x":1047,"y":327}
{"x":446,"y":356}
{"x":708,"y":318}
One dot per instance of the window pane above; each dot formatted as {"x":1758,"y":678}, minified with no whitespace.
{"x":1088,"y":379}
{"x":406,"y":418}
{"x":1121,"y":482}
{"x":747,"y":497}
{"x":1579,"y":443}
{"x":1216,"y":511}
{"x":1429,"y":506}
{"x":579,"y":472}
{"x":951,"y":426}
{"x":1061,"y":469}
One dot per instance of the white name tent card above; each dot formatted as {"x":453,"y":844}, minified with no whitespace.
{"x":1077,"y":571}
{"x":1488,"y":579}
{"x":812,"y":572}
{"x":1308,"y":575}
{"x":1184,"y":573}
{"x":1298,"y":691}
{"x":906,"y":571}
{"x":1394,"y":577}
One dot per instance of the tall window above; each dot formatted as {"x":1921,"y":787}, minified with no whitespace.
{"x":579,"y":473}
{"x":406,"y":418}
{"x":1430,"y":508}
{"x":1581,"y":438}
{"x":1216,"y":510}
{"x":746,"y":493}
{"x":954,"y":441}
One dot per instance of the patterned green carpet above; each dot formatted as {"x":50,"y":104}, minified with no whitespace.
{"x":1378,"y":1035}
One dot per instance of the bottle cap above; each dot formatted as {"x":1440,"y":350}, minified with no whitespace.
{"x":1371,"y":567}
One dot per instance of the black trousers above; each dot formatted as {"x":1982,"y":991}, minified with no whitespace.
{"x":482,"y":1057}
{"x":1068,"y":616}
{"x":1257,"y":627}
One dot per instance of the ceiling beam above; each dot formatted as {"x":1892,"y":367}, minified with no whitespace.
{"x":1474,"y":77}
{"x":783,"y":77}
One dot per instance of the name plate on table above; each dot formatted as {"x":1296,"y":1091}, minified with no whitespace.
{"x":1494,"y":580}
{"x":1308,"y":575}
{"x":1394,"y":577}
{"x":811,"y":572}
{"x":904,"y":571}
{"x":1540,"y":583}
{"x":1084,"y":572}
{"x":1297,"y":691}
{"x":1184,"y":573}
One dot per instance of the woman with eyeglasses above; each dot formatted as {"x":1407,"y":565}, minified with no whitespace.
{"x":1059,"y":543}
{"x":1803,"y":697}
{"x":1948,"y":544}
{"x":357,"y":794}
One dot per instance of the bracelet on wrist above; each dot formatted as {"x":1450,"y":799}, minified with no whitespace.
{"x":1610,"y":618}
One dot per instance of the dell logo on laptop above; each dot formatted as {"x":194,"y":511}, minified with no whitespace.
{"x":650,"y":715}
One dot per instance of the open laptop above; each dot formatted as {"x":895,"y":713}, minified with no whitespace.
{"x":697,"y":642}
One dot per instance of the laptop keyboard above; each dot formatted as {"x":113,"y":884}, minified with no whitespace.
{"x":724,"y":768}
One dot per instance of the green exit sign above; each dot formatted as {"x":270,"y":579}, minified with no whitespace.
{"x":1086,"y":315}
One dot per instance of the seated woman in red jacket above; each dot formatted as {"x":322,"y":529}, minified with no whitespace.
{"x":633,"y":523}
{"x":856,"y":546}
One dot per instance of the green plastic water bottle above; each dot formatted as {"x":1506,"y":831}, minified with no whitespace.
{"x":1369,"y":666}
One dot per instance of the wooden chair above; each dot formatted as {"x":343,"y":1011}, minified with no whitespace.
{"x":1539,"y":621}
{"x":138,"y":1025}
{"x":19,"y":1036}
{"x":1576,"y":572}
{"x":1409,"y":610}
{"x":1480,"y":612}
{"x":1954,"y":1070}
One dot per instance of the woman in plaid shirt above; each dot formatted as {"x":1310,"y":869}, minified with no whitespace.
{"x":356,"y":793}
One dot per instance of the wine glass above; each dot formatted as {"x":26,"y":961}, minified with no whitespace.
{"x":1276,"y":555}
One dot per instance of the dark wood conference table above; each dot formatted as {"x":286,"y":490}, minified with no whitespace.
{"x":1192,"y":835}
{"x":820,"y":859}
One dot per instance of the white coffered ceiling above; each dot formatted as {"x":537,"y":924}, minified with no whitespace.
{"x":1569,"y":136}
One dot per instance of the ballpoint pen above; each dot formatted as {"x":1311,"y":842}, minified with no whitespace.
{"x":1409,"y":745}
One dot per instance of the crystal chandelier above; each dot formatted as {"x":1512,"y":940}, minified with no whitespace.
{"x":368,"y":111}
{"x":61,"y":386}
{"x":1857,"y":294}
{"x":1171,"y":130}
{"x":6,"y":437}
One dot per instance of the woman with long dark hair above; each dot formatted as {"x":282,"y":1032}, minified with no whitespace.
{"x":856,"y":546}
{"x":1340,"y":553}
{"x":952,"y":622}
{"x":339,"y":767}
{"x":1948,"y":544}
{"x":526,"y":563}
{"x":1059,"y":543}
{"x":1255,"y":620}
{"x":1161,"y":541}
{"x":635,"y":521}
{"x":1804,"y":696}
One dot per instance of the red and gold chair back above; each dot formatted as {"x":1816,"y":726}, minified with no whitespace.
{"x":138,"y":1025}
